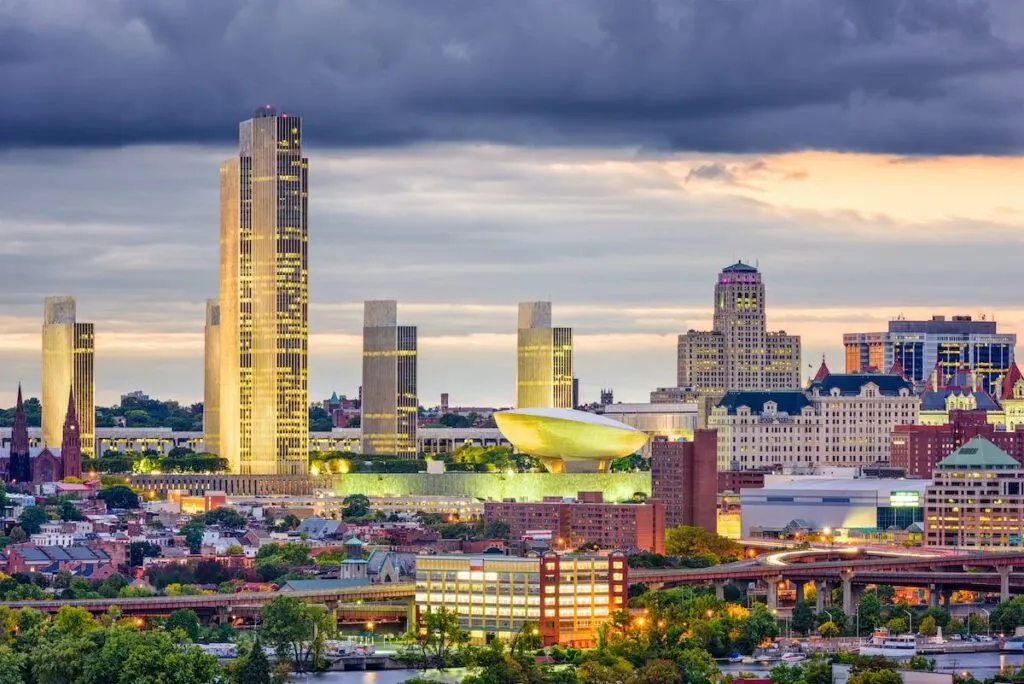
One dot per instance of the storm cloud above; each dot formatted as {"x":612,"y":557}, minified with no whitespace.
{"x":901,"y":76}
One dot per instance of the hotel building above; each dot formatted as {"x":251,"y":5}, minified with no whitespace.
{"x":920,"y":346}
{"x":494,"y":596}
{"x":264,"y":299}
{"x":390,"y":406}
{"x":211,"y":378}
{"x":841,"y":419}
{"x":976,"y":499}
{"x":684,"y":477}
{"x":543,"y":360}
{"x":738,"y":352}
{"x":68,"y":368}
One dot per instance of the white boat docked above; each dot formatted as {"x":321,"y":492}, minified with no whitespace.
{"x":793,"y":657}
{"x":1014,"y":644}
{"x":884,"y":644}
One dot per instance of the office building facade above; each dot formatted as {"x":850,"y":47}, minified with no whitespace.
{"x":390,"y":405}
{"x":738,"y":352}
{"x":495,"y":596}
{"x":684,"y":478}
{"x":948,"y":345}
{"x":68,"y":368}
{"x":264,"y":299}
{"x":976,"y":499}
{"x":544,"y":372}
{"x":211,"y":378}
{"x":587,"y":519}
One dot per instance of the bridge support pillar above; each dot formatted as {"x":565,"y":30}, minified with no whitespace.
{"x":933,"y":596}
{"x":1004,"y":582}
{"x":332,"y":608}
{"x":849,"y":601}
{"x":222,"y":615}
{"x":799,"y":585}
{"x":773,"y":593}
{"x":720,"y":590}
{"x":821,"y":590}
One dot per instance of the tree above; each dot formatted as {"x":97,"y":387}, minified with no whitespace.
{"x":1008,"y":615}
{"x":18,"y":535}
{"x":193,"y":532}
{"x":657,"y":672}
{"x":60,"y":659}
{"x":127,"y":656}
{"x":319,"y":419}
{"x":870,"y":610}
{"x":186,"y":620}
{"x":497,"y":529}
{"x":32,"y":518}
{"x":296,"y":630}
{"x":606,"y":670}
{"x":234,"y":550}
{"x":119,"y":496}
{"x":74,"y":621}
{"x":11,"y":664}
{"x":138,"y":551}
{"x":896,"y":625}
{"x":928,"y":626}
{"x":253,"y":667}
{"x":69,"y":511}
{"x":876,"y":677}
{"x":225,"y":517}
{"x":760,"y":625}
{"x":828,"y":629}
{"x":697,"y":666}
{"x":691,"y":541}
{"x":438,"y":633}
{"x":803,"y":619}
{"x":355,"y":506}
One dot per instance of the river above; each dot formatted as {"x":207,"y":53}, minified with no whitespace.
{"x":981,"y":665}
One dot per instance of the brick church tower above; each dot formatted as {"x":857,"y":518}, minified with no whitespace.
{"x":71,"y":443}
{"x":20,"y":469}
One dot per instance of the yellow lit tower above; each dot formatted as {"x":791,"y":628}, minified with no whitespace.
{"x":211,"y":379}
{"x":264,"y":299}
{"x":390,"y":406}
{"x":68,"y":353}
{"x":543,"y":359}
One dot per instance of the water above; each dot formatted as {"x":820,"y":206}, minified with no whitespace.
{"x":981,"y":665}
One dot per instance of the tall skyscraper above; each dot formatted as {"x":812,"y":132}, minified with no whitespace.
{"x":264,"y":299}
{"x":543,"y":360}
{"x":944,"y":345}
{"x":738,"y":352}
{"x":68,"y":353}
{"x":211,"y":379}
{"x":390,"y":406}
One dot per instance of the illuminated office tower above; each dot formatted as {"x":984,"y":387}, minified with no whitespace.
{"x":211,"y":379}
{"x":390,"y":406}
{"x":264,"y":299}
{"x":68,"y":352}
{"x":543,"y":359}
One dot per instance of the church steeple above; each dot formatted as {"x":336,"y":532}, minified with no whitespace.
{"x":71,"y":442}
{"x":21,"y":464}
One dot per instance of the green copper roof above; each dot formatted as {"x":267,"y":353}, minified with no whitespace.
{"x":978,"y":454}
{"x":741,"y":267}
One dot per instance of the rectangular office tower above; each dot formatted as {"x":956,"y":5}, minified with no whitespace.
{"x":211,"y":378}
{"x":941,"y":344}
{"x":390,"y":406}
{"x":68,"y":353}
{"x":543,"y":359}
{"x":264,"y":299}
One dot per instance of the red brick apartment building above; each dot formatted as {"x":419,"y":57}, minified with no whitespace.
{"x":684,"y":475}
{"x":587,"y":519}
{"x":918,"y":448}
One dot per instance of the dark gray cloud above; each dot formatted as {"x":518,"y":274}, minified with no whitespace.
{"x":914,"y":76}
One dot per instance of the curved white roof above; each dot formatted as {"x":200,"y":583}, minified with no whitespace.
{"x":570,"y":415}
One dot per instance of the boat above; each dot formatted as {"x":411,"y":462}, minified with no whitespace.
{"x":793,"y":657}
{"x":884,"y":644}
{"x":735,"y":657}
{"x":1014,"y":644}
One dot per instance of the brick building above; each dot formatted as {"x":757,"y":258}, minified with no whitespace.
{"x":586,"y":519}
{"x":735,"y":480}
{"x":919,"y":448}
{"x":684,"y":477}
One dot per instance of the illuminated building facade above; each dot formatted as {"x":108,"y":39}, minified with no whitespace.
{"x":738,"y":352}
{"x":494,"y":596}
{"x":68,"y":368}
{"x":543,"y":360}
{"x":264,"y":299}
{"x":211,"y":378}
{"x":390,"y":405}
{"x":976,"y":499}
{"x":948,"y":345}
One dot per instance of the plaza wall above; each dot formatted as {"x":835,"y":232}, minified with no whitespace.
{"x":494,"y":486}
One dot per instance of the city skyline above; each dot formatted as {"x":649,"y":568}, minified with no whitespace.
{"x":463,"y":187}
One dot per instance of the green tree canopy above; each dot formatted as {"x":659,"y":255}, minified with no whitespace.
{"x":32,"y":518}
{"x":186,"y":620}
{"x":119,"y":496}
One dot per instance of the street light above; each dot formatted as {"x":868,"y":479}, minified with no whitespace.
{"x":910,"y":625}
{"x":988,"y":621}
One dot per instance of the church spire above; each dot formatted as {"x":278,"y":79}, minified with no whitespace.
{"x":823,"y":371}
{"x":20,"y":464}
{"x":71,"y":442}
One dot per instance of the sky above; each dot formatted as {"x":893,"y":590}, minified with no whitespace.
{"x":609,"y":155}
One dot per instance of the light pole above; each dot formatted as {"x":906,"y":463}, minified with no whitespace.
{"x":910,"y":624}
{"x":988,"y":621}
